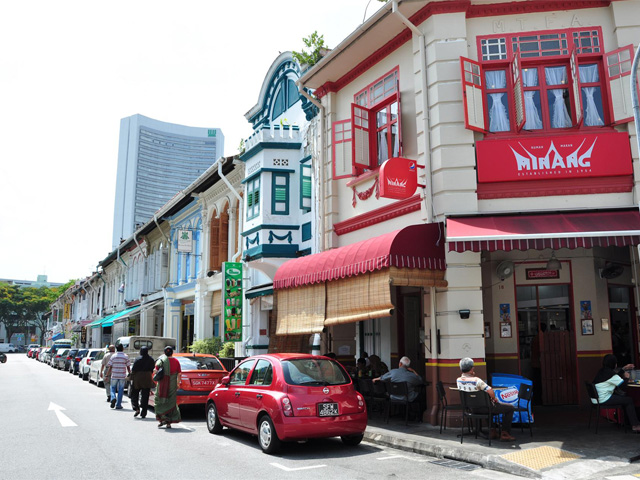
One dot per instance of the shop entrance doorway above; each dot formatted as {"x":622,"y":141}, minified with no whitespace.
{"x":623,"y":337}
{"x":410,"y":326}
{"x":546,"y":343}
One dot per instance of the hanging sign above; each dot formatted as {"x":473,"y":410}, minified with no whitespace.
{"x":232,"y":301}
{"x":398,"y":178}
{"x":185,"y":241}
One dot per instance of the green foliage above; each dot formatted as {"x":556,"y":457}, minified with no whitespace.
{"x":228,"y":350}
{"x":209,"y":345}
{"x":241,"y":148}
{"x":316,"y":50}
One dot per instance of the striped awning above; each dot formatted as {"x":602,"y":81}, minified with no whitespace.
{"x":539,"y":232}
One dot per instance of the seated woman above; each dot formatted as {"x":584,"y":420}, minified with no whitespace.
{"x":607,"y":380}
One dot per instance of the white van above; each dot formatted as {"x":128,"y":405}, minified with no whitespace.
{"x":132,"y":345}
{"x":8,"y":348}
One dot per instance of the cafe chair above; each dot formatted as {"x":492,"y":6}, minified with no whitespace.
{"x":400,"y":389}
{"x":375,"y":395}
{"x":476,"y":406}
{"x":525,"y":394}
{"x":444,"y":405}
{"x":593,"y":394}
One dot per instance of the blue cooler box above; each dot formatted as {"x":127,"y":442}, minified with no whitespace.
{"x":508,"y":380}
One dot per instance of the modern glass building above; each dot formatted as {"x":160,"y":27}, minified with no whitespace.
{"x":155,"y":161}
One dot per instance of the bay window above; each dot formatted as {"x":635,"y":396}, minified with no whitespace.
{"x":545,"y":82}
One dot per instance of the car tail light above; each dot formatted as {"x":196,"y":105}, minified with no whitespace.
{"x":286,"y":407}
{"x":88,"y":361}
{"x":361,"y":403}
{"x":77,"y":359}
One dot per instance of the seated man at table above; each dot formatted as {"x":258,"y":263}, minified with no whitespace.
{"x":468,"y":382}
{"x":404,"y":373}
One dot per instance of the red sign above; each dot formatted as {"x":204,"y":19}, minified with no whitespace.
{"x":540,"y":273}
{"x":398,"y":178}
{"x":543,"y":158}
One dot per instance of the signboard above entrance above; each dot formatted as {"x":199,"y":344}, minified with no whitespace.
{"x":398,"y":178}
{"x":558,"y":157}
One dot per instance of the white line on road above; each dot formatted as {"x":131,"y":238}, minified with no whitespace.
{"x":287,"y":469}
{"x":62,"y":418}
{"x":391,"y":456}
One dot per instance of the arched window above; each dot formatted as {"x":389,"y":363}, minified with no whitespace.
{"x":214,"y":234}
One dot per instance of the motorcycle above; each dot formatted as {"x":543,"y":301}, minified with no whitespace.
{"x":3,"y":358}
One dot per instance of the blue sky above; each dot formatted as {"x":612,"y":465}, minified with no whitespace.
{"x":72,"y":69}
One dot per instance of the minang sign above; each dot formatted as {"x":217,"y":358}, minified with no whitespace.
{"x":542,"y":158}
{"x":398,"y":178}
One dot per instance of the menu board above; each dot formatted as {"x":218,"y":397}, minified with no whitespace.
{"x":232,"y":301}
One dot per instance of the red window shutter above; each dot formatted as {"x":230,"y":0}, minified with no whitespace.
{"x":473,"y":94}
{"x":341,"y":141}
{"x":575,"y":81}
{"x":618,"y":74}
{"x":361,"y":119}
{"x":518,"y":92}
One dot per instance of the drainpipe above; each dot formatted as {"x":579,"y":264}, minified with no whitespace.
{"x":155,"y":219}
{"x":320,"y":239}
{"x":135,"y":239}
{"x":240,"y":204}
{"x":425,"y":109}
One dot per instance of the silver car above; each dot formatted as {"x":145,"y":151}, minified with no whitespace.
{"x":85,"y":363}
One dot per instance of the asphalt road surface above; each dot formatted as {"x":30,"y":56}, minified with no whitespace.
{"x":56,"y":426}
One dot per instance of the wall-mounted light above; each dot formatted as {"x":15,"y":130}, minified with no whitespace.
{"x":464,"y":314}
{"x":211,"y":273}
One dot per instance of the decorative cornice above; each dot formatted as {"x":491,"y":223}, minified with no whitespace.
{"x":547,"y":188}
{"x":396,"y":209}
{"x":532,"y":6}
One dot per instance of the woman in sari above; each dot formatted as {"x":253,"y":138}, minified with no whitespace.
{"x":166,"y":408}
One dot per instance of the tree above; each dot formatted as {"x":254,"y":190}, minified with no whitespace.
{"x":209,"y":345}
{"x":317,"y":50}
{"x":11,"y":308}
{"x":37,"y":302}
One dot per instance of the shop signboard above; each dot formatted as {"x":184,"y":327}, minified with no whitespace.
{"x":557,"y":157}
{"x":398,"y":178}
{"x":541,"y":273}
{"x":232,"y":301}
{"x":185,"y":241}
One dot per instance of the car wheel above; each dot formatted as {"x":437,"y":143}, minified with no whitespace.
{"x":213,"y":422}
{"x":352,"y":440}
{"x":85,"y":376}
{"x":267,"y":436}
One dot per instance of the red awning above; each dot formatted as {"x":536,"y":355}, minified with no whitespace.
{"x":538,"y":232}
{"x":416,"y":246}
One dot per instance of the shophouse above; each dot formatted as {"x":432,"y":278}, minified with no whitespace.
{"x":478,"y":184}
{"x":279,"y":211}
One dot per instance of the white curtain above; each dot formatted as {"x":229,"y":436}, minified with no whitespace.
{"x":383,"y":148}
{"x":498,"y":115}
{"x":560,"y":117}
{"x":530,"y":79}
{"x":589,"y":74}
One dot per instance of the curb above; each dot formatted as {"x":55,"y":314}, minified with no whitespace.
{"x":411,"y":444}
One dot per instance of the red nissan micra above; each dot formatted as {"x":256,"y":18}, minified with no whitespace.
{"x":288,"y":396}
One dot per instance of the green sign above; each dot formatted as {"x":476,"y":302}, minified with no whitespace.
{"x":212,"y":132}
{"x":232,"y":301}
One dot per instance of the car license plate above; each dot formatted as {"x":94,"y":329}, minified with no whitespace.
{"x":202,"y":383}
{"x":327,"y":409}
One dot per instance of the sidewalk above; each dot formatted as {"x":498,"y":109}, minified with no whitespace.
{"x":560,"y":440}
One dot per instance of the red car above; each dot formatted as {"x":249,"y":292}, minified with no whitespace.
{"x":284,"y":397}
{"x":200,"y":374}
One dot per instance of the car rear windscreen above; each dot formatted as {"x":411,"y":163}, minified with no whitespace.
{"x":199,"y":363}
{"x":313,"y":371}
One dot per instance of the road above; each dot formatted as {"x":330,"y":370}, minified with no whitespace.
{"x":89,"y":440}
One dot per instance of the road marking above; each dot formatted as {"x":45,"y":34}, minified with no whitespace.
{"x":391,"y":457}
{"x":62,"y":418}
{"x":287,"y":469}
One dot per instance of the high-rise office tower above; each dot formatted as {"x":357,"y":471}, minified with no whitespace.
{"x":155,"y":161}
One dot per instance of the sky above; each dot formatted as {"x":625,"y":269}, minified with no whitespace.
{"x":70,"y":70}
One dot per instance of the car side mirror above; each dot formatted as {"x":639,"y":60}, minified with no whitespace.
{"x":225,"y":380}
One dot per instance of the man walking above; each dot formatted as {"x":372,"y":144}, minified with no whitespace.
{"x":141,"y":383}
{"x":120,"y":367}
{"x":105,"y":372}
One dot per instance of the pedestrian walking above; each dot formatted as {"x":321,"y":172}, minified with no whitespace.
{"x":120,"y":367}
{"x":141,"y":382}
{"x":105,"y":372}
{"x":166,"y":406}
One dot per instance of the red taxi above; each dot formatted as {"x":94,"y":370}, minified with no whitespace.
{"x":200,"y":374}
{"x":283,"y":397}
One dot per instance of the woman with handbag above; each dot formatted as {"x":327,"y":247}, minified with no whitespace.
{"x":141,"y":382}
{"x":610,"y":383}
{"x":167,"y":376}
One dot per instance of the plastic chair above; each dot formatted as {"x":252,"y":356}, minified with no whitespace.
{"x":525,"y":393}
{"x":593,"y":394}
{"x":444,"y":405}
{"x":476,"y":406}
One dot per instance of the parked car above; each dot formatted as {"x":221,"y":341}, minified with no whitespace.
{"x":58,"y":358}
{"x":31,"y":353}
{"x":283,"y":397}
{"x":74,"y":367}
{"x":69,"y":358}
{"x":85,"y":363}
{"x":94,"y":369}
{"x":200,"y":374}
{"x":44,"y":355}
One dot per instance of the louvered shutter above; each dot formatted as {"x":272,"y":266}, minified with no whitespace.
{"x":473,"y":94}
{"x":341,"y":141}
{"x":618,"y":72}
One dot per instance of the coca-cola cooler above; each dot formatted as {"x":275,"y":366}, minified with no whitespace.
{"x":507,"y":386}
